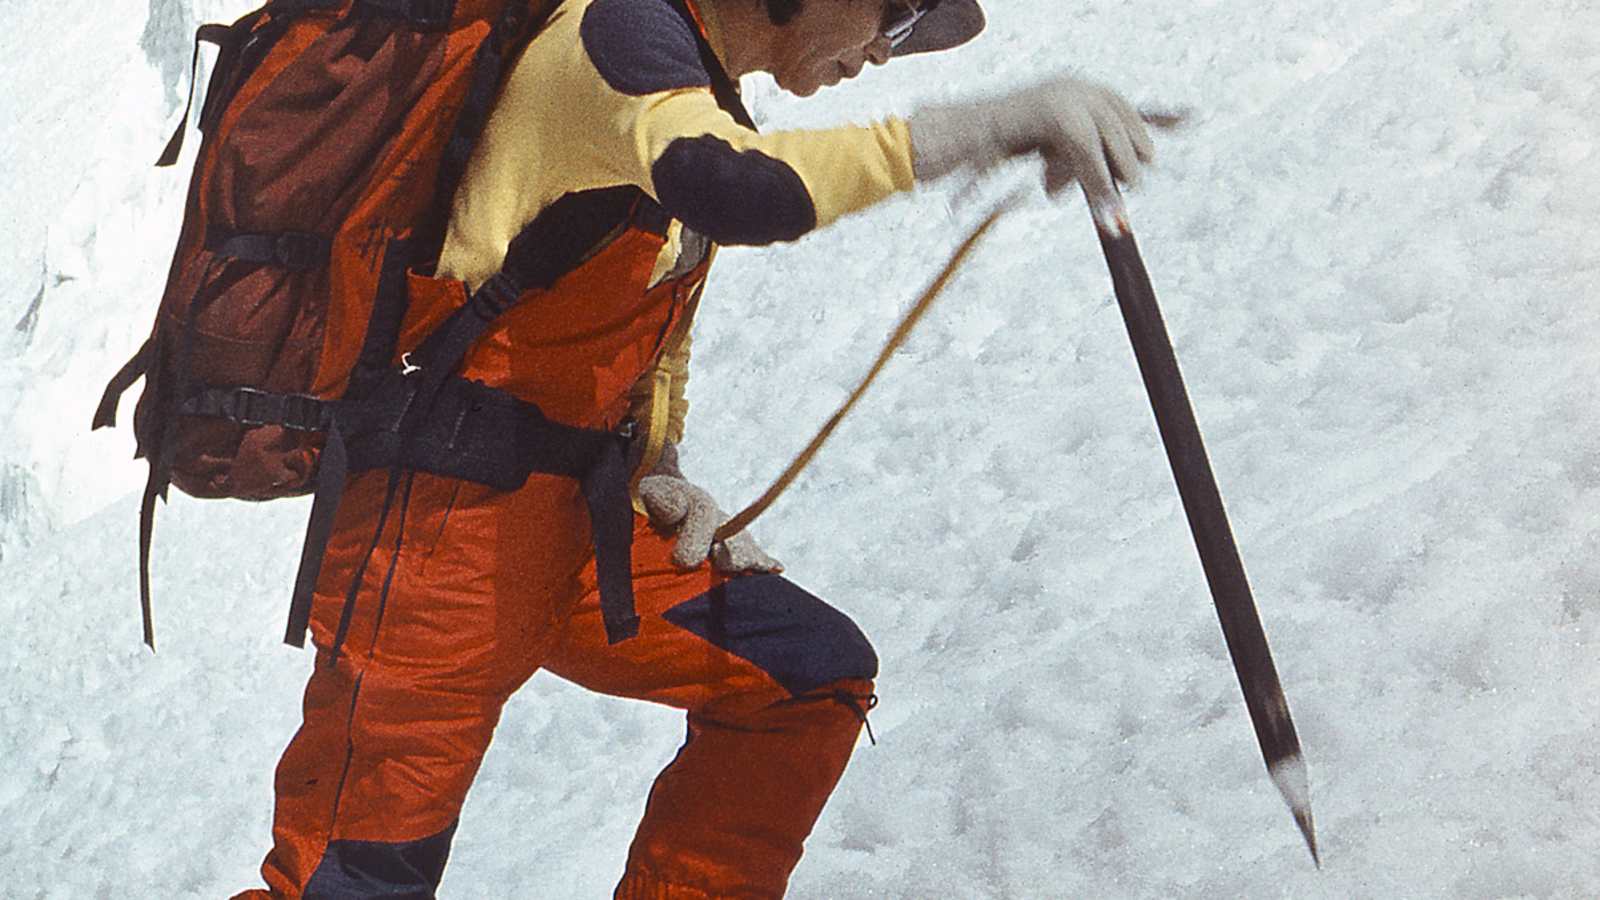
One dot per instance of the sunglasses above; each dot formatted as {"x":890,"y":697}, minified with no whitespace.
{"x":900,"y":17}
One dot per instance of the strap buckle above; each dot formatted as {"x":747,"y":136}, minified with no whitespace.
{"x":303,"y":413}
{"x":296,"y":412}
{"x":248,"y":406}
{"x":496,"y":295}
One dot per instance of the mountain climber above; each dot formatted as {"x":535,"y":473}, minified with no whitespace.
{"x":453,"y":593}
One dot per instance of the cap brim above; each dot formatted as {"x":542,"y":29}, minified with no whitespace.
{"x":950,"y":24}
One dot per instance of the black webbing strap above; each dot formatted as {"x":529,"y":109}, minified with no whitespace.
{"x":553,"y":244}
{"x":605,"y":492}
{"x":437,"y":357}
{"x":161,"y":453}
{"x":389,"y":306}
{"x":488,"y":69}
{"x":333,"y":472}
{"x":333,"y":465}
{"x":347,"y":614}
{"x":251,"y":406}
{"x":105,"y":415}
{"x":155,"y":486}
{"x":487,"y":436}
{"x":290,"y":7}
{"x":295,"y":250}
{"x":423,"y":15}
{"x":224,"y":36}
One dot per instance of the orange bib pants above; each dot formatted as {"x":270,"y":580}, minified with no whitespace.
{"x":465,"y":592}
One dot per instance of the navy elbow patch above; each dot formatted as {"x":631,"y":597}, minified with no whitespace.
{"x":641,"y":47}
{"x":732,"y":197}
{"x":802,"y":642}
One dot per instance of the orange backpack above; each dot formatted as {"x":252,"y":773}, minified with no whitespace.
{"x":335,"y":133}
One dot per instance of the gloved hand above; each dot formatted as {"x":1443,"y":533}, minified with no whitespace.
{"x":1085,"y":132}
{"x":676,"y":504}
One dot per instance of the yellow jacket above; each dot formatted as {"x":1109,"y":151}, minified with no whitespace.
{"x":612,"y":92}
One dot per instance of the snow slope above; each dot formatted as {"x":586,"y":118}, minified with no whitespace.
{"x":1373,"y":247}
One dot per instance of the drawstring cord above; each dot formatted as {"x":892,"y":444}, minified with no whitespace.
{"x":860,"y":706}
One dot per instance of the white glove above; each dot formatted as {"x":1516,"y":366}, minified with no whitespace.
{"x":678,"y":505}
{"x":1085,"y":132}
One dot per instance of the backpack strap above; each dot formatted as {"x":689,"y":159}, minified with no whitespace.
{"x":227,"y":37}
{"x":105,"y":415}
{"x":333,"y":464}
{"x":333,"y":472}
{"x":293,"y":250}
{"x":230,"y":39}
{"x":509,"y":33}
{"x":155,"y":486}
{"x":393,"y":418}
{"x":423,"y":15}
{"x":252,"y":406}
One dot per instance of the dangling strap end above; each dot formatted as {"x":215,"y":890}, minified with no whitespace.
{"x":105,"y":415}
{"x":154,"y":487}
{"x":144,"y":602}
{"x":222,"y":36}
{"x":169,"y":156}
{"x":333,"y":471}
{"x":605,"y":491}
{"x":621,"y":629}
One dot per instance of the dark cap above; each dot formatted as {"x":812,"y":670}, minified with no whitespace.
{"x":949,"y":23}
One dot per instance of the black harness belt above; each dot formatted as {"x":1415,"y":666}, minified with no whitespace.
{"x":485,"y":435}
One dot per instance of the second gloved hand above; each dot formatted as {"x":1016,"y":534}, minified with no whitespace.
{"x":676,"y":504}
{"x":1086,"y":133}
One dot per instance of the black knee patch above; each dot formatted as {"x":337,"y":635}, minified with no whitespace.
{"x":802,"y":642}
{"x":408,"y":869}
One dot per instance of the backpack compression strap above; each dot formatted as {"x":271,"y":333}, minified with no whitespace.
{"x":230,"y":39}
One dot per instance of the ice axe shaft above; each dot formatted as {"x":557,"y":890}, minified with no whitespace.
{"x":1208,"y":521}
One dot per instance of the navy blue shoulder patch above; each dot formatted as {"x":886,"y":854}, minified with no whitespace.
{"x":642,"y":47}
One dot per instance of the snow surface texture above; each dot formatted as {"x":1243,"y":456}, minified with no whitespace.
{"x":1374,"y":247}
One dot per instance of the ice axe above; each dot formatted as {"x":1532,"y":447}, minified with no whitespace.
{"x":1197,"y":486}
{"x":1208,"y":521}
{"x":1159,"y":118}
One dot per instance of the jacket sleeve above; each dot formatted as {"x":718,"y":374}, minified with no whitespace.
{"x":660,"y":128}
{"x":614,"y":92}
{"x":743,"y":188}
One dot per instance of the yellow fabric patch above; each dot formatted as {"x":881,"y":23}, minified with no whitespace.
{"x":559,"y":128}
